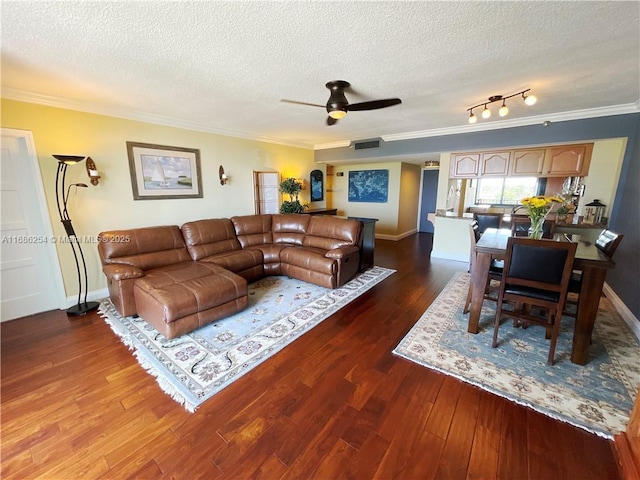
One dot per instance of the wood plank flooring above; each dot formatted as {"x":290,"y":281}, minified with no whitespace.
{"x":335,"y":404}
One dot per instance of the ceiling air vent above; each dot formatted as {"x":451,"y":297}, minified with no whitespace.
{"x":367,"y":144}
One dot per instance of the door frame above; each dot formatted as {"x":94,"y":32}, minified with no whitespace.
{"x":35,"y":174}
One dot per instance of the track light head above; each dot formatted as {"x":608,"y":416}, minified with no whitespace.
{"x":486,"y":113}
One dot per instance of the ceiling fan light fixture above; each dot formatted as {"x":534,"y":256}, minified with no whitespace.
{"x":337,"y":114}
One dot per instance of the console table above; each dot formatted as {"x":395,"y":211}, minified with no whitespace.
{"x":322,"y":211}
{"x":368,"y":242}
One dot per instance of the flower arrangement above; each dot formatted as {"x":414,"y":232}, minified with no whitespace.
{"x":538,"y":208}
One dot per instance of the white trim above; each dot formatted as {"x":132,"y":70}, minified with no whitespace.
{"x":395,"y":238}
{"x":29,"y":97}
{"x":36,"y":180}
{"x":449,"y":256}
{"x":518,"y":122}
{"x":92,"y":296}
{"x":622,"y":310}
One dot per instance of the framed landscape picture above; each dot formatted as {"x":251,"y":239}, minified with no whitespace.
{"x":164,"y":172}
{"x":371,"y":186}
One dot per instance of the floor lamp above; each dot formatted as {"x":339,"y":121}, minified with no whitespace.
{"x":62,"y":197}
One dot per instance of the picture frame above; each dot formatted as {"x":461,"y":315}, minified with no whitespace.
{"x":161,"y":172}
{"x":316,"y":180}
{"x":369,"y":186}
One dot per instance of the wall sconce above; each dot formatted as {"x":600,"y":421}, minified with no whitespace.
{"x":504,"y":110}
{"x":302,"y":182}
{"x":92,"y":171}
{"x":224,"y":178}
{"x":62,"y":198}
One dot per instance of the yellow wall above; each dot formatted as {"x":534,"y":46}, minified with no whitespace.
{"x":411,"y":177}
{"x":110,"y":205}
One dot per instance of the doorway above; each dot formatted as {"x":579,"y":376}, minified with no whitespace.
{"x":265,"y":192}
{"x":428,"y":200}
{"x":30,"y":276}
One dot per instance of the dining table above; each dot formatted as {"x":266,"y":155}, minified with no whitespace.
{"x":589,"y":259}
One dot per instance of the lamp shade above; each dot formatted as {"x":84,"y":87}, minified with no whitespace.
{"x":69,"y":159}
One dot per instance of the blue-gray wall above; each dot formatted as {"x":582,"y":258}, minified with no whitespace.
{"x":625,"y":216}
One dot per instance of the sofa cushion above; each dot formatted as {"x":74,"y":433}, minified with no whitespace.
{"x":289,"y":229}
{"x":328,"y":233}
{"x":309,"y":258}
{"x":181,"y":298}
{"x":144,"y":248}
{"x":253,"y":229}
{"x":210,"y":237}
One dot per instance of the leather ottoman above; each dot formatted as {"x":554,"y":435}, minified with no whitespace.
{"x":181,"y":298}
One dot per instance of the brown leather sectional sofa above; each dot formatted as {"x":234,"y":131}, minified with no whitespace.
{"x":181,"y":278}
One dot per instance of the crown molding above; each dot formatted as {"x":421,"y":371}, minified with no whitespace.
{"x":326,"y":146}
{"x":518,"y":122}
{"x":49,"y":101}
{"x":29,"y":97}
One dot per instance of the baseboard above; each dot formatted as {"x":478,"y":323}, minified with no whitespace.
{"x":92,"y":296}
{"x":625,"y":457}
{"x":395,"y":238}
{"x":450,"y":256}
{"x":622,"y":310}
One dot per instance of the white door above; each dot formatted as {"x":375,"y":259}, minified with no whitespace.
{"x":266,"y":195}
{"x":30,"y":280}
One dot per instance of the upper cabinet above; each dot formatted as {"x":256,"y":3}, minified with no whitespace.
{"x":494,"y":164}
{"x":568,"y":160}
{"x":557,"y":161}
{"x":528,"y":162}
{"x":464,"y":165}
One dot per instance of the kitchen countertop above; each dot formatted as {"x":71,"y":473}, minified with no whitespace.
{"x":507,"y":218}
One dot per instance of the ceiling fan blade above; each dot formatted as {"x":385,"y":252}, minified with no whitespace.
{"x":331,"y":121}
{"x":303,"y":103}
{"x":373,"y":104}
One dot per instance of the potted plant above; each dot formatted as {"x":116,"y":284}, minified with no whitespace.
{"x":291,"y":187}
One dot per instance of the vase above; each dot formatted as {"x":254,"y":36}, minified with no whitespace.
{"x":535,"y":230}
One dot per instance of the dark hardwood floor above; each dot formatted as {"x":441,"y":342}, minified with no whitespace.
{"x":335,"y":404}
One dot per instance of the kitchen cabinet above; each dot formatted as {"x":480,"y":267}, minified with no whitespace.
{"x":528,"y":162}
{"x":551,"y":161}
{"x":464,"y":165}
{"x":568,"y":160}
{"x":494,"y":164}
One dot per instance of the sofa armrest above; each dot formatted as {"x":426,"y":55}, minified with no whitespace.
{"x":122,"y":272}
{"x":342,"y":252}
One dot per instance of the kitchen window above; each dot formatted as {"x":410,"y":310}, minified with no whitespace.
{"x":508,"y":190}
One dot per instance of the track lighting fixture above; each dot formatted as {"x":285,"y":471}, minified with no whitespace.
{"x":504,"y":110}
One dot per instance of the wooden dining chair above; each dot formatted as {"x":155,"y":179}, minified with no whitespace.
{"x":607,"y":242}
{"x":520,"y":227}
{"x":487,"y":220}
{"x":536,"y":274}
{"x":495,"y":269}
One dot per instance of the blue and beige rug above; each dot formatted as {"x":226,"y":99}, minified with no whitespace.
{"x":196,"y":366}
{"x":597,"y":397}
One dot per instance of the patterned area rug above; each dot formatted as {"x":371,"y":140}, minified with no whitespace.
{"x":597,"y":397}
{"x":195,"y":366}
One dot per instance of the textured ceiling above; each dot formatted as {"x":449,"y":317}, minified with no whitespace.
{"x":223,"y":67}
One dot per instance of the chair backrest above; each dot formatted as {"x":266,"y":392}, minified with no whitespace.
{"x":608,"y":242}
{"x":539,"y":264}
{"x":520,"y":227}
{"x":487,"y":220}
{"x":474,"y":236}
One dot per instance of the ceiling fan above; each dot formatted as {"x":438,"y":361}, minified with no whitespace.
{"x":337,"y":106}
